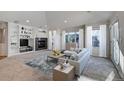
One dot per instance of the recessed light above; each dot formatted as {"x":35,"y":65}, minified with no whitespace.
{"x":65,"y":21}
{"x":40,"y":29}
{"x":45,"y":25}
{"x":27,"y":21}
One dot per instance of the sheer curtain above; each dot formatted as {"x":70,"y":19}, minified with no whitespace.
{"x":54,"y":40}
{"x":50,"y":41}
{"x":63,"y":40}
{"x":102,"y":34}
{"x":88,"y":38}
{"x":81,"y":38}
{"x":57,"y":40}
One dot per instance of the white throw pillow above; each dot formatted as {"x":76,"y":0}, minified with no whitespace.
{"x":74,"y":56}
{"x":71,"y":49}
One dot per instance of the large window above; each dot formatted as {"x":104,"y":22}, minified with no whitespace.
{"x":72,"y":37}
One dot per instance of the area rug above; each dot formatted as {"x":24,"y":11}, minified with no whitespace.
{"x":100,"y":69}
{"x":45,"y":66}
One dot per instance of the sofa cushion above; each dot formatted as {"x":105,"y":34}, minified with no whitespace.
{"x":74,"y":56}
{"x":69,"y":53}
{"x":83,"y":51}
{"x":77,"y":50}
{"x":72,"y":49}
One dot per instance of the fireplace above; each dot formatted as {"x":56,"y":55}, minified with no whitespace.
{"x":40,"y":43}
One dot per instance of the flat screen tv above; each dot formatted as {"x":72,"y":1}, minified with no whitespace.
{"x":23,"y":42}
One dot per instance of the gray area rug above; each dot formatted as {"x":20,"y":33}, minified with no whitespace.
{"x":100,"y":69}
{"x":42,"y":64}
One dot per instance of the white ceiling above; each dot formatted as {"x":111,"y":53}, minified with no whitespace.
{"x":36,"y":18}
{"x":75,"y":18}
{"x":55,"y":19}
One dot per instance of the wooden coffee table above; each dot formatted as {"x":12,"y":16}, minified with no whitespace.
{"x":55,"y":57}
{"x":66,"y":74}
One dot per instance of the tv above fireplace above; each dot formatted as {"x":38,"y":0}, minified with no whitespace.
{"x":23,"y":42}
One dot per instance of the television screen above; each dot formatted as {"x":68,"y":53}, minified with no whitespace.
{"x":23,"y":42}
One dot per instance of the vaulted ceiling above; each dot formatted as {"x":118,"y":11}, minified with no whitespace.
{"x":55,"y":19}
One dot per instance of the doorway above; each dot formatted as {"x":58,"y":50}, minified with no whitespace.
{"x":95,"y":40}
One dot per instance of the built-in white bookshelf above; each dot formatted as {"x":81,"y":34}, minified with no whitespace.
{"x":17,"y":32}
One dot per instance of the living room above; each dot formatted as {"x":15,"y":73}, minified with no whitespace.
{"x":61,"y":45}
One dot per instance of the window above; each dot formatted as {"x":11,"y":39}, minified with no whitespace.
{"x":115,"y":51}
{"x":95,"y":38}
{"x":72,"y":37}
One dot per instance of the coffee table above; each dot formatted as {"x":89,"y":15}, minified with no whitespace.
{"x":55,"y":57}
{"x":66,"y":74}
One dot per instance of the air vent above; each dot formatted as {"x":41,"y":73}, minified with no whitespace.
{"x":95,"y":27}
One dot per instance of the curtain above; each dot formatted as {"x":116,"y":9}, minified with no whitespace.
{"x":50,"y":40}
{"x":102,"y":34}
{"x":57,"y":40}
{"x":63,"y":40}
{"x":81,"y":38}
{"x":88,"y":38}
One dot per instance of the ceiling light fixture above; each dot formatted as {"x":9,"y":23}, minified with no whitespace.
{"x":45,"y":25}
{"x":27,"y":21}
{"x":40,"y":29}
{"x":65,"y":21}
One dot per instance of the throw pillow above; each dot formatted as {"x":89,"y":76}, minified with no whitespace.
{"x":74,"y":56}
